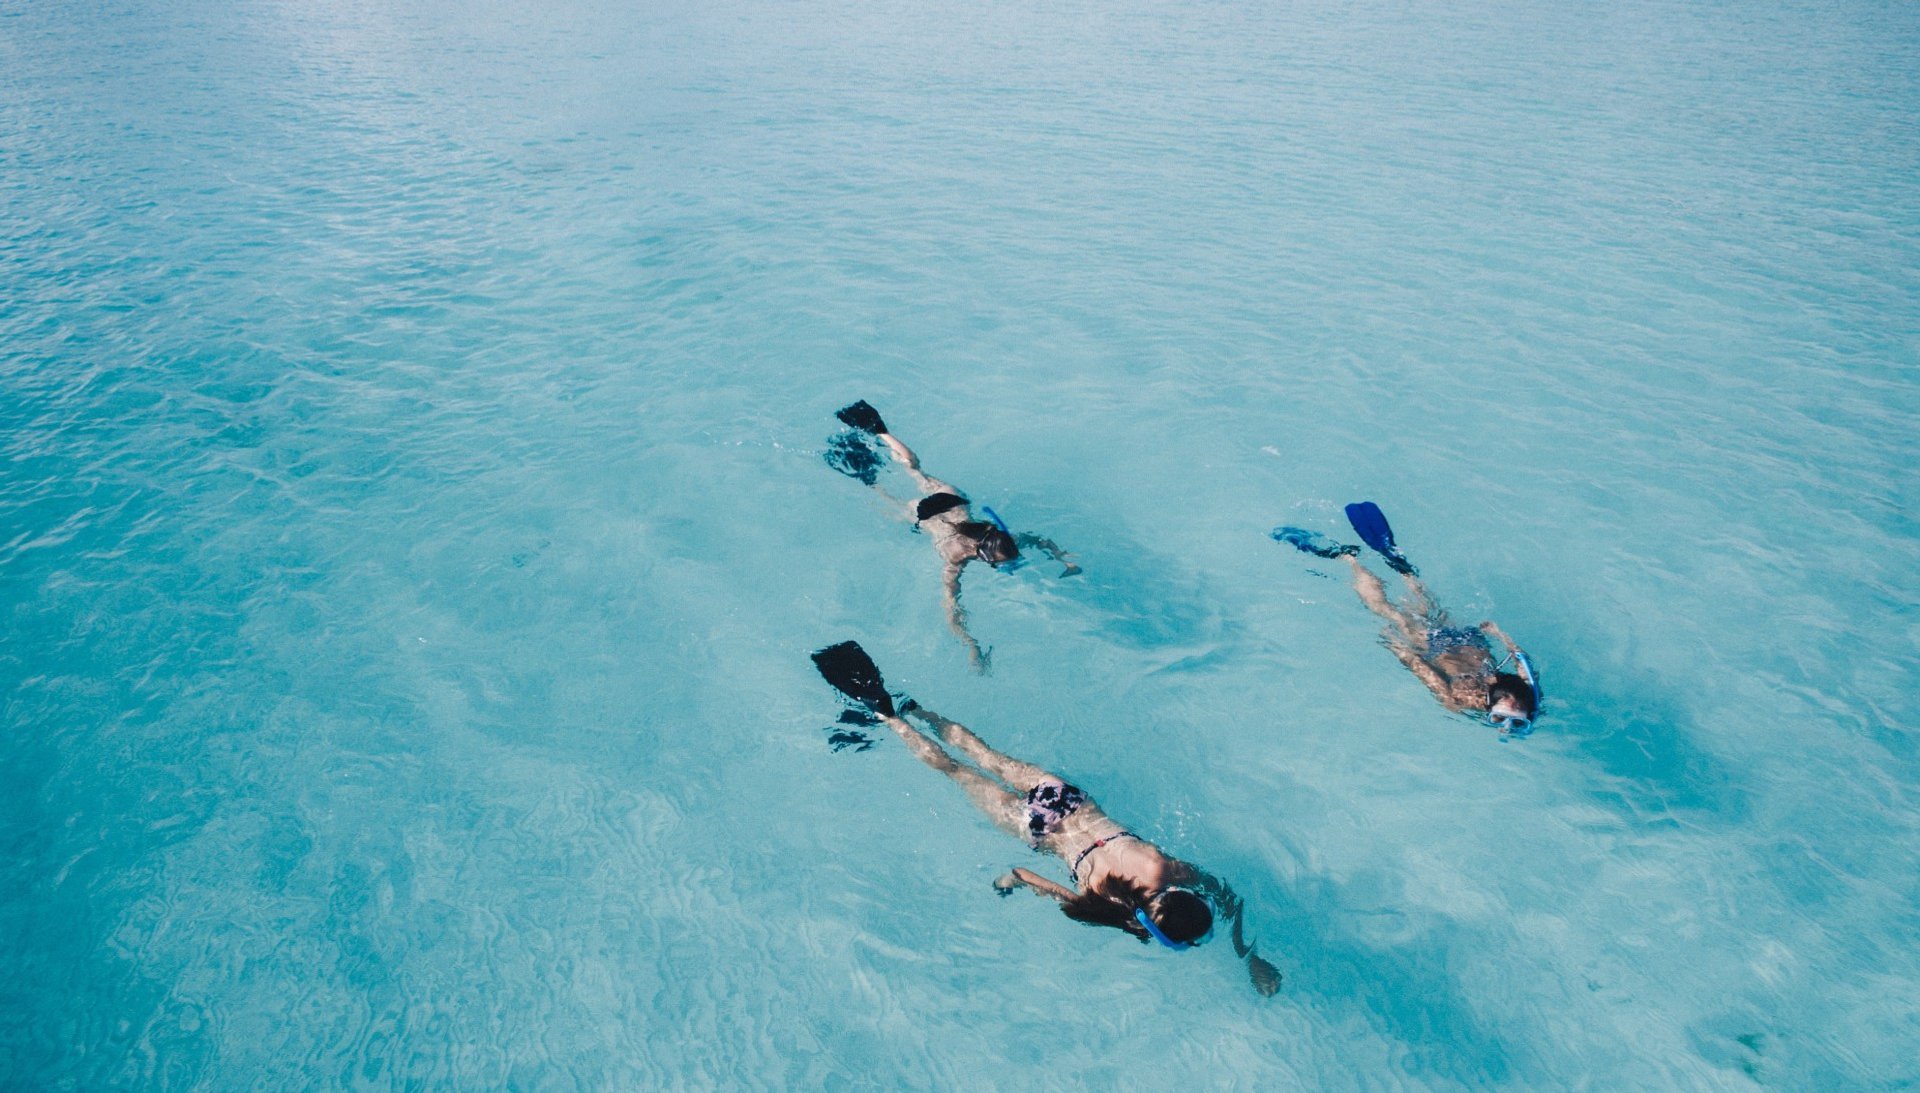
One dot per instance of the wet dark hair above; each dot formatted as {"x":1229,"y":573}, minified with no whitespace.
{"x":1508,"y":686}
{"x":995,"y":546}
{"x":1180,"y":914}
{"x":1109,"y":906}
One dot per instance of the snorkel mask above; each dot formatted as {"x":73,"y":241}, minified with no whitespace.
{"x":1516,"y":726}
{"x":1013,"y":563}
{"x":1511,"y":726}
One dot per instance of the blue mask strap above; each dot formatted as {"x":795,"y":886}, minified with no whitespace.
{"x":1140,"y":913}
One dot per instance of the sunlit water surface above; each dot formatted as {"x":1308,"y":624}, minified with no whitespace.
{"x":413,"y":528}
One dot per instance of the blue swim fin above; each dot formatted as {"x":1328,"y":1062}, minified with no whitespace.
{"x":1312,"y":542}
{"x":1371,"y":525}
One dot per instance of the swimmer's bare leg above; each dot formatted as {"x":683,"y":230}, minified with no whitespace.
{"x":1015,"y":772}
{"x":903,"y":507}
{"x":905,"y":457}
{"x":1374,"y":595}
{"x":1006,"y":809}
{"x":1420,"y":604}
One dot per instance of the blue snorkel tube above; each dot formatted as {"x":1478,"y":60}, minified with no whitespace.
{"x":1140,"y":913}
{"x":994,"y":518}
{"x":1521,"y":662}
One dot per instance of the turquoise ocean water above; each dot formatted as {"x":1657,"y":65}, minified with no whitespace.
{"x":413,"y":528}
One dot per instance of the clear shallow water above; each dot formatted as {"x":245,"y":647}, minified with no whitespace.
{"x":414,"y":530}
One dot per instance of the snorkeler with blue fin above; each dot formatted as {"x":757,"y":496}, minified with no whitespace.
{"x":1457,"y":663}
{"x":1123,"y":881}
{"x":946,"y":516}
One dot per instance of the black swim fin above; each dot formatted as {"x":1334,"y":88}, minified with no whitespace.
{"x":862,"y":417}
{"x":853,"y":673}
{"x":1371,"y":525}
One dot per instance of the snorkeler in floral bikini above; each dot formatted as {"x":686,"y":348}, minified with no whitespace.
{"x":1123,"y":880}
{"x":944,"y":514}
{"x":1457,"y":663}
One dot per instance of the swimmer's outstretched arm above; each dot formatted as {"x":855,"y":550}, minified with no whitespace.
{"x":1419,"y":600}
{"x":1374,"y":594}
{"x":1040,"y":885}
{"x":1492,"y":630}
{"x":1024,"y":540}
{"x":957,"y":615}
{"x":1426,"y":674}
{"x":1264,"y":976}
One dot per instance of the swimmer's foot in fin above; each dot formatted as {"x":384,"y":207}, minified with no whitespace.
{"x":862,"y":417}
{"x":851,"y":454}
{"x":853,"y":673}
{"x":1313,"y":542}
{"x":1371,"y":525}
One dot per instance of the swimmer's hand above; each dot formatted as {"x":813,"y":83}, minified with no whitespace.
{"x":1005,"y":883}
{"x":1266,"y":977}
{"x":1492,"y":630}
{"x":1024,"y":540}
{"x":980,"y":657}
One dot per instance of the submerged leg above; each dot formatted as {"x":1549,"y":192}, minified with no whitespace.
{"x":1419,"y":603}
{"x":904,"y":456}
{"x":1007,"y":810}
{"x":1014,"y":772}
{"x":1374,"y":595}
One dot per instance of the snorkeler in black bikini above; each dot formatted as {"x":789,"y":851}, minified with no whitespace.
{"x":1122,"y":880}
{"x":1457,"y":663}
{"x":943,"y":513}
